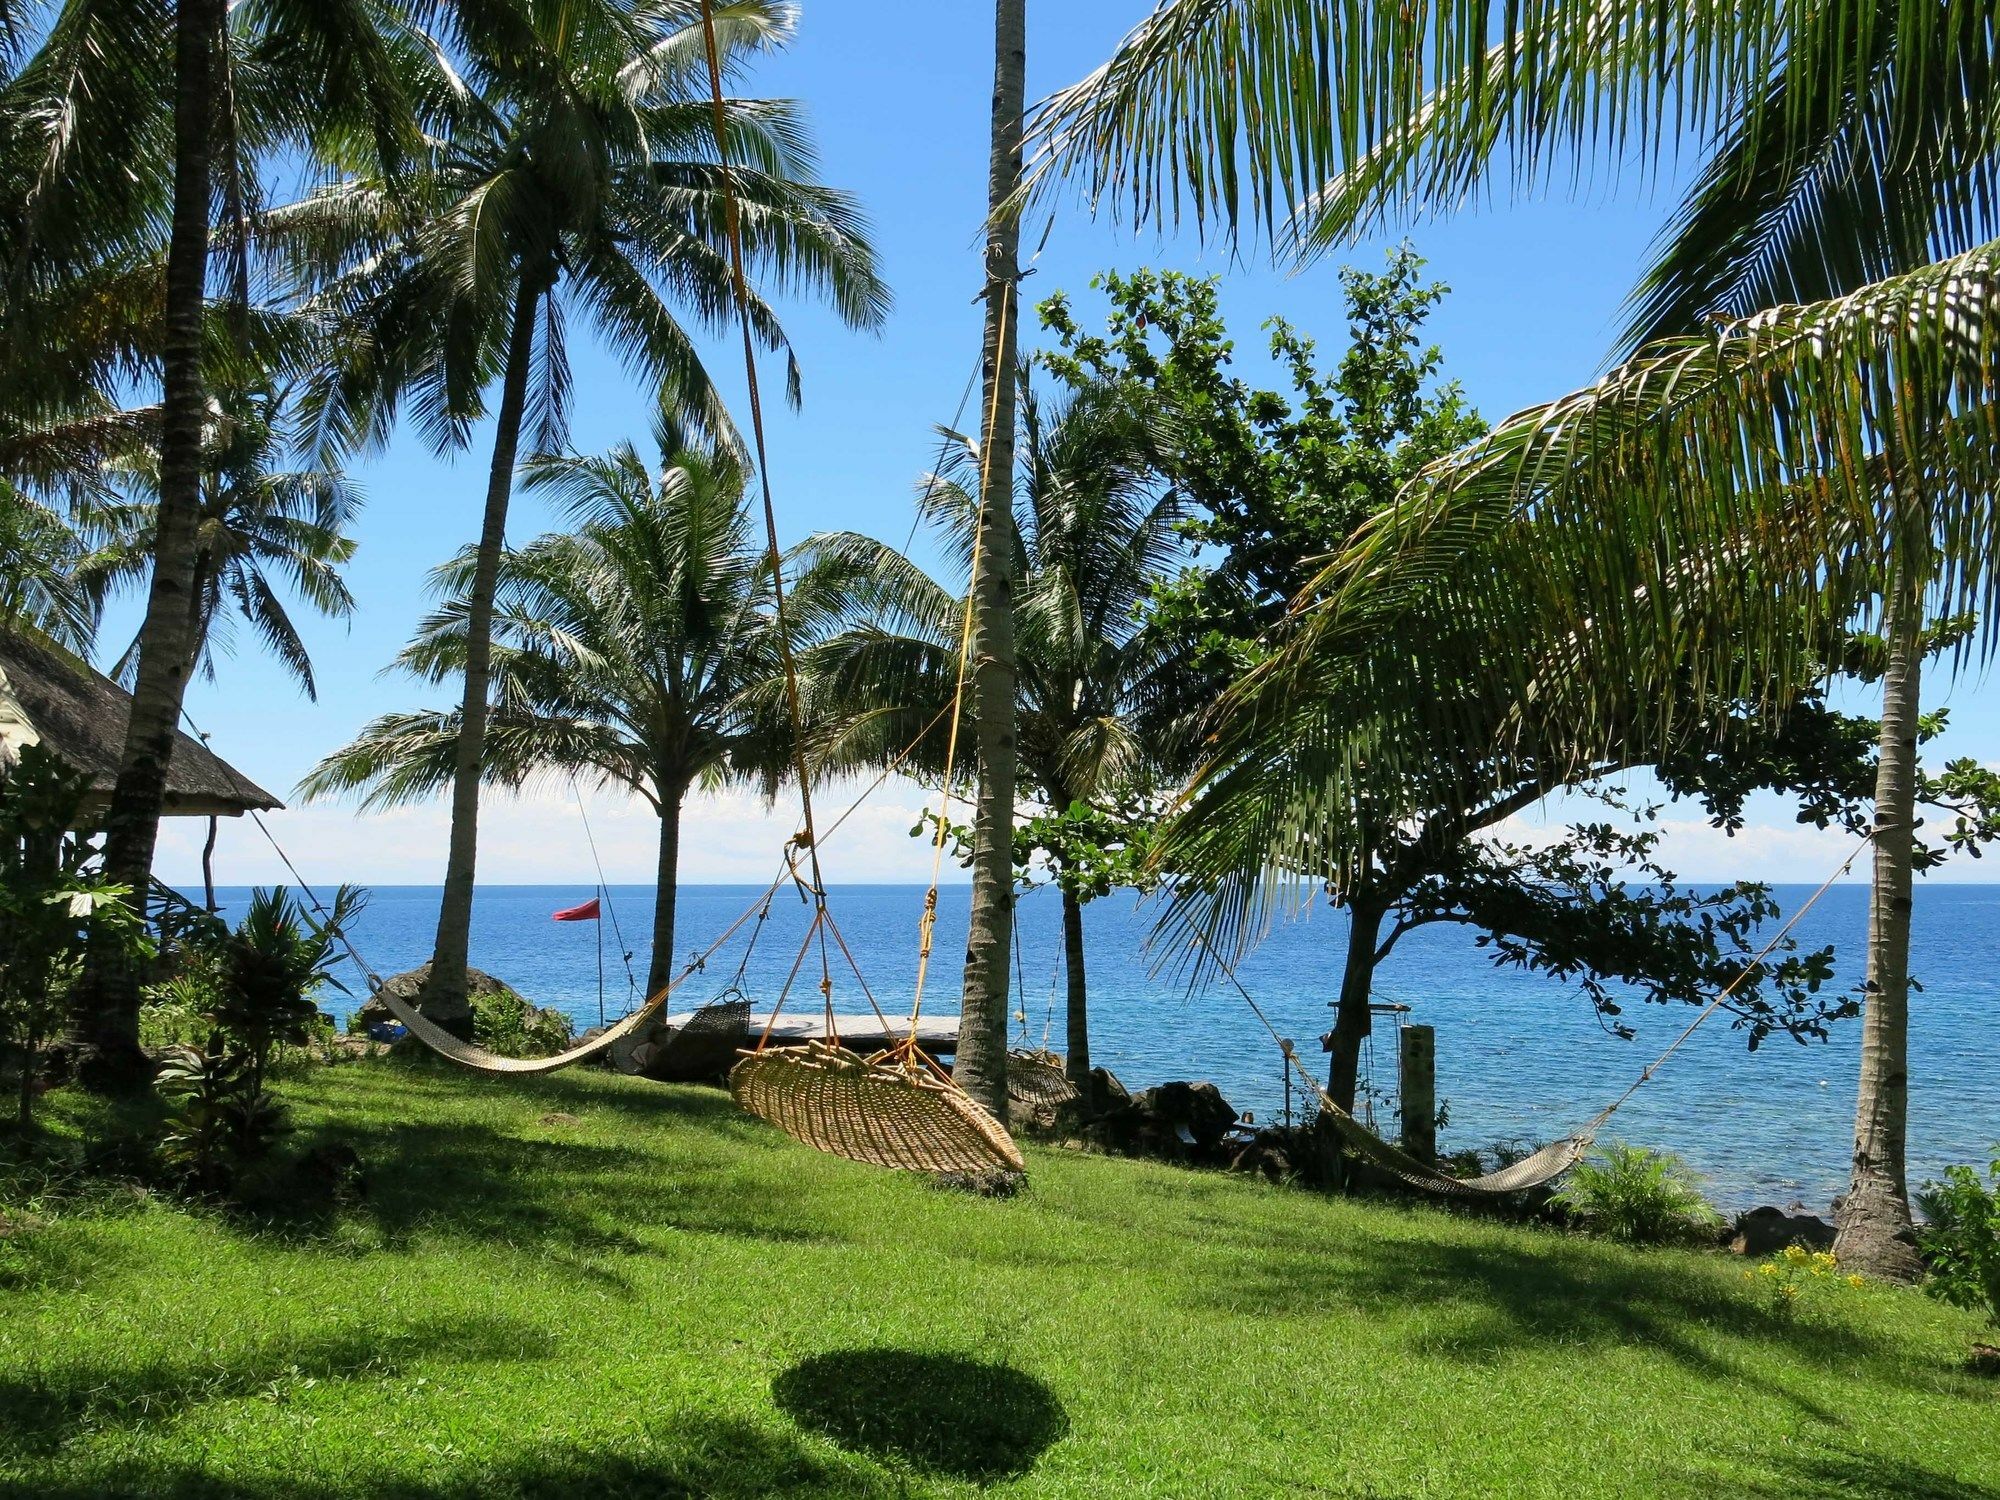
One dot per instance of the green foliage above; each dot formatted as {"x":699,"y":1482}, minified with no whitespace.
{"x":52,"y":901}
{"x":256,"y":997}
{"x":1274,"y":481}
{"x":1795,"y":1274}
{"x":1641,"y":1197}
{"x":508,"y":1024}
{"x":1961,"y":1241}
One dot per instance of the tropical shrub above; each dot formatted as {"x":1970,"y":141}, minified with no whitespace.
{"x":1794,"y":1271}
{"x":260,"y":983}
{"x":1639,"y":1196}
{"x":1962,"y":1240}
{"x":505,"y":1022}
{"x":52,"y":897}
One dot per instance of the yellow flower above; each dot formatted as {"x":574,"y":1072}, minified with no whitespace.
{"x":1857,"y":1282}
{"x":1769,"y":1268}
{"x":1824,"y":1260}
{"x":1797,"y":1255}
{"x":1788,"y":1291}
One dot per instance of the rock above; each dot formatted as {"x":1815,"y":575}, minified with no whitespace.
{"x":1106,"y":1092}
{"x":1767,"y":1230}
{"x":454,"y":1013}
{"x":1265,"y":1156}
{"x":1198,"y":1109}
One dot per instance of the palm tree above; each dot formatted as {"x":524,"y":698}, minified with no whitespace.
{"x":39,"y":559}
{"x":1092,"y":529}
{"x":1849,"y":440}
{"x":263,"y":529}
{"x":629,"y":652}
{"x":116,"y":109}
{"x":577,"y":176}
{"x":980,"y":1067}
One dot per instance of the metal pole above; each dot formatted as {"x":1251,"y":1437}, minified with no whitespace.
{"x":600,"y":955}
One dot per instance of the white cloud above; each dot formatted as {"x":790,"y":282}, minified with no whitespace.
{"x":726,"y":837}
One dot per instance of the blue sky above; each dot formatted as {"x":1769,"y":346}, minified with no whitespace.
{"x":898,"y":96}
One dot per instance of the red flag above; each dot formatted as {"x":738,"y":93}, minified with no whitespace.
{"x":584,"y":913}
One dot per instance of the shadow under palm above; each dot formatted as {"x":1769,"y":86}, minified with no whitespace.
{"x":941,"y":1414}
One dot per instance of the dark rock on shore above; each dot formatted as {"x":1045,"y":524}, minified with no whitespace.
{"x":1767,"y":1230}
{"x":454,"y":1013}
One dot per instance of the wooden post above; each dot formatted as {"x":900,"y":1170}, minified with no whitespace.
{"x":1417,"y":1051}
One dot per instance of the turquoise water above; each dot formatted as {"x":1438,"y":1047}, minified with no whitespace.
{"x":1519,"y":1057}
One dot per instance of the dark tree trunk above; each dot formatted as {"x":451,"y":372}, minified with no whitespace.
{"x":981,"y":1066}
{"x":451,"y":952}
{"x":661,"y":972}
{"x":1352,"y":1021}
{"x":110,"y":1024}
{"x":208,"y":866}
{"x":1076,"y":1055}
{"x":1875,"y":1231}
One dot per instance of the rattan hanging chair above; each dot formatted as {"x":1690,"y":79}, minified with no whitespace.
{"x":1035,"y":1077}
{"x":888,"y":1110}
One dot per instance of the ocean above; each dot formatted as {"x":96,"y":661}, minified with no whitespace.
{"x":1519,"y":1057}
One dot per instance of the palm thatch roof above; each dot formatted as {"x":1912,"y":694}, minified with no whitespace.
{"x":54,"y":699}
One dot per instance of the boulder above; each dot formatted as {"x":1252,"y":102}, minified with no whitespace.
{"x":1267,"y":1156}
{"x":1195,"y":1111}
{"x":1767,"y":1230}
{"x":454,"y":1013}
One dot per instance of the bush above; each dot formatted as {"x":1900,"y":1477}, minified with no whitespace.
{"x":1639,"y":1196}
{"x":254,"y":996}
{"x":1962,"y":1240}
{"x":506,"y":1023}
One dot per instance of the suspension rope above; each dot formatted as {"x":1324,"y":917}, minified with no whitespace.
{"x":927,"y":922}
{"x":1597,"y":1123}
{"x":604,"y":890}
{"x":732,"y":221}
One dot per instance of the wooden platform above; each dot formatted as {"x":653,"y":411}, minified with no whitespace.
{"x":937,"y":1035}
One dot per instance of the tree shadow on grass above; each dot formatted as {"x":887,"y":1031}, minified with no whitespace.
{"x":1496,"y":1298}
{"x":475,"y":1181}
{"x":718,"y":1459}
{"x":1863,"y":1476}
{"x":939,"y":1413}
{"x":45,"y":1408}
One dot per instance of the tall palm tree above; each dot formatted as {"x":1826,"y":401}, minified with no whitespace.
{"x":980,"y":1067}
{"x":629,"y":652}
{"x":1852,"y":162}
{"x":123,"y":119}
{"x":1092,"y":529}
{"x":576,"y":176}
{"x":264,"y":529}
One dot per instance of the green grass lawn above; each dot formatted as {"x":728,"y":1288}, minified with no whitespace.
{"x":589,"y":1285}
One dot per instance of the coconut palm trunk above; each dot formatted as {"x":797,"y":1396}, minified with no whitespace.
{"x":450,"y":953}
{"x":166,"y":650}
{"x":1076,"y":1045}
{"x":981,"y":1067}
{"x":666,"y":889}
{"x":1875,"y":1230}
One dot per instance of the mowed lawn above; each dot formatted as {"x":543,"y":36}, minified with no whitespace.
{"x":590,"y":1285}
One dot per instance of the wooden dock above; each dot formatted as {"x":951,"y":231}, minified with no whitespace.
{"x":937,"y":1035}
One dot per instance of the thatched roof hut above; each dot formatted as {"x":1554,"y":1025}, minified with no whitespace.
{"x":54,"y":699}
